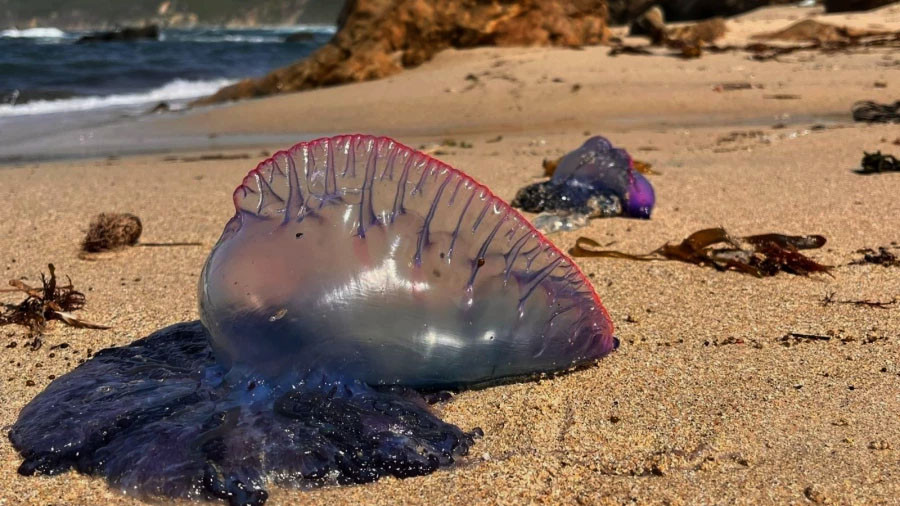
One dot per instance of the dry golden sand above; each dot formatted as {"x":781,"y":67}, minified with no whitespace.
{"x":674,"y":415}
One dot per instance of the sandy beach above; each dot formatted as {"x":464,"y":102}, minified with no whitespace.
{"x":706,"y":401}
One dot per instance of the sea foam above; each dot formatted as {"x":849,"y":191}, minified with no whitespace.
{"x":179,"y":89}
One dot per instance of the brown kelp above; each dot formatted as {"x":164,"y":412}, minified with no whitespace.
{"x":758,"y":255}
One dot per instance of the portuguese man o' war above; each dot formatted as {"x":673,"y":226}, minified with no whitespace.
{"x":595,"y":180}
{"x":354,"y":271}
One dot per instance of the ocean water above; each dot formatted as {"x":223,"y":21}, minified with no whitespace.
{"x":44,"y":72}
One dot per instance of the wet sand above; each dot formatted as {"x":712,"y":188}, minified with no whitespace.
{"x":703,"y":402}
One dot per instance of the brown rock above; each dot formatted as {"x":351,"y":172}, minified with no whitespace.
{"x":111,"y":231}
{"x":652,"y":24}
{"x":378,"y":38}
{"x":698,"y":33}
{"x":625,"y":11}
{"x":854,"y":5}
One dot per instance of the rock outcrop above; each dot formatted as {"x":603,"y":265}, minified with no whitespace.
{"x":377,"y":38}
{"x":127,"y":34}
{"x":854,"y":5}
{"x":626,"y":11}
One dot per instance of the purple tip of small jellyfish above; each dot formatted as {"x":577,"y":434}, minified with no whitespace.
{"x":354,"y":271}
{"x":641,"y":198}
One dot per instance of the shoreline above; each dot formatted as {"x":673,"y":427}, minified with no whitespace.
{"x":537,"y":89}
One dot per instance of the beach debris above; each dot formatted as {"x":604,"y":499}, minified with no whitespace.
{"x":830,"y":299}
{"x":596,"y":180}
{"x":795,"y":338}
{"x":111,"y":231}
{"x":810,"y":30}
{"x":735,"y":86}
{"x":52,"y":301}
{"x":758,"y":255}
{"x":882,"y":257}
{"x":811,"y":35}
{"x":440,"y":148}
{"x":626,"y":49}
{"x":688,"y":39}
{"x":304,"y":36}
{"x":867,"y":111}
{"x":874,"y":163}
{"x":208,"y":157}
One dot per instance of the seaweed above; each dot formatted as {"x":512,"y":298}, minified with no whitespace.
{"x":874,"y":163}
{"x":881,"y":257}
{"x":830,"y":299}
{"x":867,"y":111}
{"x":111,"y":231}
{"x":53,"y":301}
{"x":758,"y":255}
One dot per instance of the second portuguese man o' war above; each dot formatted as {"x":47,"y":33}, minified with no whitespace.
{"x":595,"y":180}
{"x":354,"y":271}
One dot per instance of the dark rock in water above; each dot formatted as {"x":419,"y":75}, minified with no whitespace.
{"x":160,"y":107}
{"x":127,"y":34}
{"x":378,"y":38}
{"x":854,"y":5}
{"x":300,"y":37}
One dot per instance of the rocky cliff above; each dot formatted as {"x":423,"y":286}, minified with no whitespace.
{"x":377,"y":38}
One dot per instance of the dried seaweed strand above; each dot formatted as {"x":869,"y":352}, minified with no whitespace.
{"x":830,"y":299}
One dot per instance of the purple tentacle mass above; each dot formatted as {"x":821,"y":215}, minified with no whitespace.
{"x":354,"y":270}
